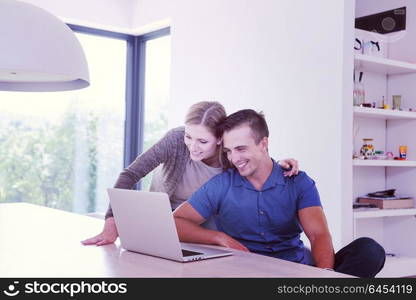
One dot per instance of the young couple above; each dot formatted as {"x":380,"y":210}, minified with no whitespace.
{"x":222,"y":165}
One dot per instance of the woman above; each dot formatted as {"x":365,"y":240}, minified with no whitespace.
{"x":190,"y":156}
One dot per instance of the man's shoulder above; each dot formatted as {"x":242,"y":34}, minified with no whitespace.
{"x":222,"y":180}
{"x":214,"y":189}
{"x":302,"y":176}
{"x":302,"y":180}
{"x":291,"y":180}
{"x":225,"y":176}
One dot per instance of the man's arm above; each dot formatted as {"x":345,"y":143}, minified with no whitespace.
{"x":188,"y":222}
{"x":316,"y":229}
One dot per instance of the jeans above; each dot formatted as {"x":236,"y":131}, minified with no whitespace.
{"x":363,"y":257}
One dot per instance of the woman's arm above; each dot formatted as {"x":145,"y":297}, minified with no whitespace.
{"x":140,"y":167}
{"x":145,"y":163}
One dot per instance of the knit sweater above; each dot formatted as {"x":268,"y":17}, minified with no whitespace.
{"x":170,"y":151}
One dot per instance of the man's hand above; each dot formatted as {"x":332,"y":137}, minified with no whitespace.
{"x":291,"y":164}
{"x":225,"y":240}
{"x":107,"y":236}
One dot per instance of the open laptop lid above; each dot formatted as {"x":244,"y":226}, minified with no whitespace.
{"x":145,"y":223}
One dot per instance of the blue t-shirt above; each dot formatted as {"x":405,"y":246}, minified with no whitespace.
{"x":264,"y":221}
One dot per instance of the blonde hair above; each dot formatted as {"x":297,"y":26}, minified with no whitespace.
{"x":207,"y":113}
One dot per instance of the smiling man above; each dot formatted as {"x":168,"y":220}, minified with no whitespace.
{"x":257,"y":209}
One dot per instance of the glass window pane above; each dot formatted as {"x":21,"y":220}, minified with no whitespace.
{"x":157,"y":84}
{"x":63,"y":149}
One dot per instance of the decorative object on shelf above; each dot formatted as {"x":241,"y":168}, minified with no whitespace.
{"x":387,"y":202}
{"x":371,"y":47}
{"x":370,"y":43}
{"x":358,"y":45}
{"x":382,"y":103}
{"x":39,"y":52}
{"x":380,"y":155}
{"x":383,"y":22}
{"x":359,"y":92}
{"x":355,"y":93}
{"x":397,"y":99}
{"x":387,"y":199}
{"x":383,"y":194}
{"x":403,"y":152}
{"x":390,"y":155}
{"x":367,"y":150}
{"x":363,"y":205}
{"x":356,"y":129}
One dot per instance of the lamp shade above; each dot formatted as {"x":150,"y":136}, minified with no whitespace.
{"x":38,"y":52}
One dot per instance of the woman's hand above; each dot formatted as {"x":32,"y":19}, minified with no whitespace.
{"x":107,"y":236}
{"x":291,"y":165}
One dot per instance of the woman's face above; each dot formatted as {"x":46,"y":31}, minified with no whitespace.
{"x":201,"y":143}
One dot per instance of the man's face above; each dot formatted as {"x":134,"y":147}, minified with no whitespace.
{"x":243,"y":152}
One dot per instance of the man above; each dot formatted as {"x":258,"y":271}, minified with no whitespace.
{"x":257,"y":209}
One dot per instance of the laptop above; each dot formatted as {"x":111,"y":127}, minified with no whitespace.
{"x":145,"y":224}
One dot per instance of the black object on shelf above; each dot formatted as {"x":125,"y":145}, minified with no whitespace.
{"x":383,"y":194}
{"x":363,"y":205}
{"x":383,"y":22}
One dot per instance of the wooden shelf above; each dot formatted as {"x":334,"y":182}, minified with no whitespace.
{"x":387,"y":114}
{"x":383,"y":163}
{"x":363,"y":213}
{"x":381,"y":65}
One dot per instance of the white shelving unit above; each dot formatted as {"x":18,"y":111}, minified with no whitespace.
{"x":378,"y":213}
{"x":383,"y":163}
{"x":389,"y":128}
{"x":386,"y":114}
{"x":381,"y":65}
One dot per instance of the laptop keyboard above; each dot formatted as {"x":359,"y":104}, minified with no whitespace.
{"x":189,"y":253}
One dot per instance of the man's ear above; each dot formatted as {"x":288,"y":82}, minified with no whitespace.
{"x":265,"y":143}
{"x":219,"y":141}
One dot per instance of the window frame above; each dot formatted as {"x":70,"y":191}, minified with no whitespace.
{"x":135,"y":80}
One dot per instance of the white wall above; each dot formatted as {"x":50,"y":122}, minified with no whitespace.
{"x":112,"y":13}
{"x":151,"y":11}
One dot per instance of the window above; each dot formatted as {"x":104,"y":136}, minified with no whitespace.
{"x":156,"y":93}
{"x":63,"y":149}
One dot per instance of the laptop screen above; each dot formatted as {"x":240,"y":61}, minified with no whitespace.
{"x":186,"y":253}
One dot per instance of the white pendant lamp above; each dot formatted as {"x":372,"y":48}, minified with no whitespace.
{"x":38,"y":52}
